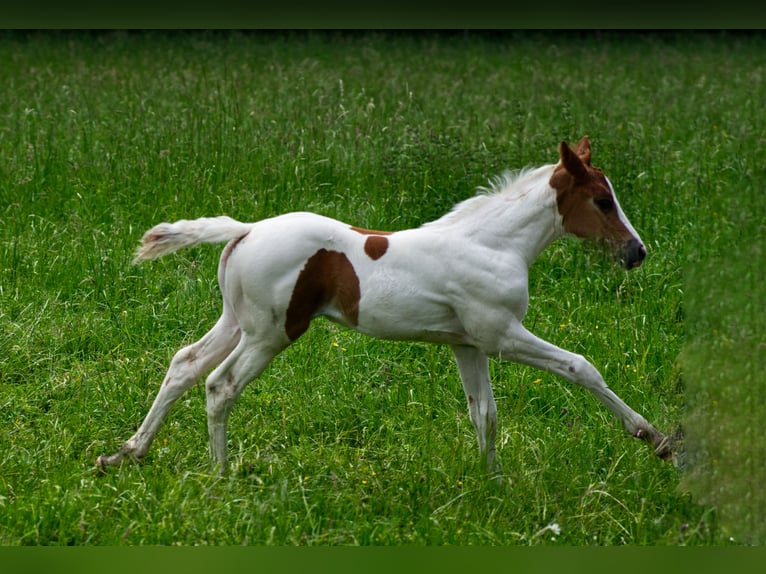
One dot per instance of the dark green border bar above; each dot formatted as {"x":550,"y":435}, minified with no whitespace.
{"x":553,"y":14}
{"x":626,"y":560}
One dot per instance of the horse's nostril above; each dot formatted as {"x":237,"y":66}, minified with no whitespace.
{"x":635,"y":252}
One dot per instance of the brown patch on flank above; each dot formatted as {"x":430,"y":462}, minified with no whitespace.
{"x":328,"y":278}
{"x":578,"y":186}
{"x":369,"y":231}
{"x":376,"y":246}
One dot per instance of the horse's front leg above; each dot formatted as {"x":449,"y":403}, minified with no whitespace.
{"x":519,"y":345}
{"x":474,"y":374}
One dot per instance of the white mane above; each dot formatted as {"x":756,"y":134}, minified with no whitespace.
{"x":509,"y":184}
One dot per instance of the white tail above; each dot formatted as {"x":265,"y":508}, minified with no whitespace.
{"x":169,"y":237}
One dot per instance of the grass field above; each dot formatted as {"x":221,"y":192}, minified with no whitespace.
{"x":347,"y":440}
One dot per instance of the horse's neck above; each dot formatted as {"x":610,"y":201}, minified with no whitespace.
{"x":519,"y":216}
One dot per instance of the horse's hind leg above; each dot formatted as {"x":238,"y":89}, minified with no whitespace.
{"x":474,"y":374}
{"x":186,"y":369}
{"x":226,"y":383}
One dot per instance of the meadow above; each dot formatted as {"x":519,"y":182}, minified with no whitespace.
{"x":347,"y":440}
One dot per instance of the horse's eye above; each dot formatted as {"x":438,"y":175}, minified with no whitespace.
{"x":605,"y":204}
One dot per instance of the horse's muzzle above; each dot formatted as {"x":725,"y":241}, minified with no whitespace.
{"x":634,"y":253}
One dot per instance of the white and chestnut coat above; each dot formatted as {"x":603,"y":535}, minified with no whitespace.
{"x":461,"y":280}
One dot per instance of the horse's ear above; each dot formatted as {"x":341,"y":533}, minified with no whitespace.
{"x":583,"y":150}
{"x":572,"y":162}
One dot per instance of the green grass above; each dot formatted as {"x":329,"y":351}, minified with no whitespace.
{"x":348,"y":440}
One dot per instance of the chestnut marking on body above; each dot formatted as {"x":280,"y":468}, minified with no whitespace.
{"x":376,"y":246}
{"x":328,"y":278}
{"x":364,"y":231}
{"x":230,"y":248}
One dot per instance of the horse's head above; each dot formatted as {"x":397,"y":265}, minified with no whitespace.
{"x":588,"y":205}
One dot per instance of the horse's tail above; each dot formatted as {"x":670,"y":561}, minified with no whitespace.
{"x":169,"y":237}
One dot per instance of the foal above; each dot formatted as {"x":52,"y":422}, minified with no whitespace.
{"x":460,"y":280}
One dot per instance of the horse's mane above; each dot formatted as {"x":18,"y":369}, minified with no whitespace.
{"x":510,"y":183}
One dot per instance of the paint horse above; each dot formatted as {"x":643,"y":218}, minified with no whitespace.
{"x":461,"y":280}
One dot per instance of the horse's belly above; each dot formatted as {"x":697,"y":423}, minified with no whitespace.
{"x":409,"y":315}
